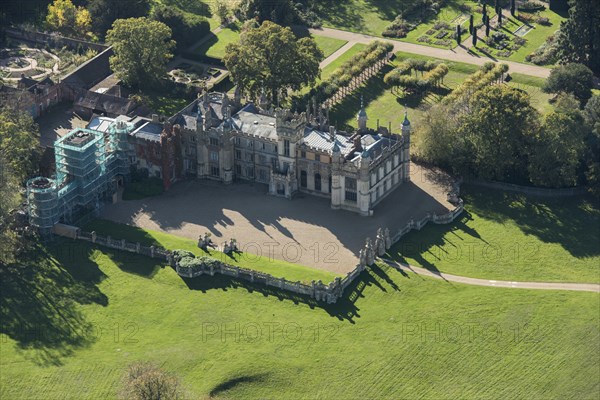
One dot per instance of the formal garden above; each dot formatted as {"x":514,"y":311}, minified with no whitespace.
{"x":19,"y":59}
{"x":387,"y":104}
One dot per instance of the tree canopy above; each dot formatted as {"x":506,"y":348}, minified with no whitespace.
{"x":19,"y":158}
{"x":142,"y":50}
{"x":105,"y":12}
{"x":64,"y":16}
{"x":576,"y":79}
{"x":271,"y":57}
{"x":579,"y":38}
{"x":146,"y":381}
{"x":498,"y":124}
{"x":186,"y":28}
{"x":557,"y":150}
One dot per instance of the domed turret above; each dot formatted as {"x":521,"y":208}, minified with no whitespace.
{"x":406,"y":127}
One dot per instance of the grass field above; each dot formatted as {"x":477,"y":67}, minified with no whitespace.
{"x":215,"y":45}
{"x":274,"y":267}
{"x":328,"y":45}
{"x":512,"y":237}
{"x":163,"y":102}
{"x":386,"y":106}
{"x":81,"y":315}
{"x":335,"y":64}
{"x":363,"y":16}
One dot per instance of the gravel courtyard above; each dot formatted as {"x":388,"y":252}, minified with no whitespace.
{"x":304,"y":230}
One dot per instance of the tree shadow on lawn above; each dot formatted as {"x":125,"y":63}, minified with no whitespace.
{"x":571,"y":222}
{"x":341,"y":14}
{"x":344,"y":309}
{"x":40,"y":298}
{"x":233,"y":382}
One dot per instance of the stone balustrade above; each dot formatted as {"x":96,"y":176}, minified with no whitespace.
{"x":327,"y":293}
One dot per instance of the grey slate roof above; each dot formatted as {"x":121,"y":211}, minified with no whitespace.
{"x":255,"y":124}
{"x":149,"y":131}
{"x":321,"y":141}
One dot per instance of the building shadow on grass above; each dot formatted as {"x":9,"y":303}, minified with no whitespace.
{"x":432,"y":241}
{"x":345,"y":309}
{"x":40,"y":298}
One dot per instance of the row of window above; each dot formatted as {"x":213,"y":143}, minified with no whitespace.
{"x":317,"y":181}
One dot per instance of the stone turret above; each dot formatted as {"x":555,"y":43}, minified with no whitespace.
{"x":263,"y":101}
{"x":336,"y":175}
{"x":237,"y":96}
{"x":406,"y":149}
{"x":364,"y":184}
{"x":362,"y":118}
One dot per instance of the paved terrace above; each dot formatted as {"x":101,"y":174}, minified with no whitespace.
{"x":304,"y":230}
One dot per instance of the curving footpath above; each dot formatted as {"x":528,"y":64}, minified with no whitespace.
{"x":584,"y":287}
{"x":458,"y":54}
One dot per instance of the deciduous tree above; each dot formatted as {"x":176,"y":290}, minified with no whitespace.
{"x":557,"y":150}
{"x":19,"y":143}
{"x":498,"y":124}
{"x":576,"y":79}
{"x":186,"y":29}
{"x":142,"y":50}
{"x":65,"y":17}
{"x":579,"y":37}
{"x":145,"y":381}
{"x":105,"y":12}
{"x":19,"y":159}
{"x":271,"y":57}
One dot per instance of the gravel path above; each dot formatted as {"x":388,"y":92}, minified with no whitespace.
{"x":304,"y":230}
{"x":585,"y":287}
{"x":334,"y":56}
{"x":459,"y":54}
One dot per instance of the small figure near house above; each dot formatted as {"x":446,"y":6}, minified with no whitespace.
{"x":204,"y":242}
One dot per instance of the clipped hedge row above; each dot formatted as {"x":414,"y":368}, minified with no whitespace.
{"x":375,"y":52}
{"x":488,"y":73}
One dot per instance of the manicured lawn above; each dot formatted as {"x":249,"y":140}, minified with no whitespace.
{"x":274,"y":267}
{"x":215,"y":45}
{"x":164,"y":103}
{"x":370,"y":17}
{"x":142,"y":189}
{"x":328,"y":45}
{"x":512,"y":237}
{"x":82,"y":314}
{"x":386,"y":106}
{"x":329,"y":69}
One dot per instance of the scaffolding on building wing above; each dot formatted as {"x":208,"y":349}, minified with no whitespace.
{"x":88,"y":164}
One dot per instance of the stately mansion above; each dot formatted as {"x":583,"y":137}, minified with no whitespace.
{"x":292,"y":152}
{"x":220,"y":139}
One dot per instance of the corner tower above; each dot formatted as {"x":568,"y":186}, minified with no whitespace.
{"x":361,"y":117}
{"x":406,"y":148}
